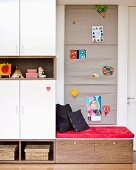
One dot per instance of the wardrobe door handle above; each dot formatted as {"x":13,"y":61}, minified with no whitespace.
{"x":22,"y":49}
{"x":22,"y":110}
{"x":17,"y":110}
{"x":16,"y":49}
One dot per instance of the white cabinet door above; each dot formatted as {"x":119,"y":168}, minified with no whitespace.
{"x":9,"y":27}
{"x":9,"y":109}
{"x":37,"y":109}
{"x":37,"y":27}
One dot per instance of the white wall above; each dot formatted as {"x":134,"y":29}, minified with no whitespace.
{"x":60,"y":53}
{"x":122,"y":65}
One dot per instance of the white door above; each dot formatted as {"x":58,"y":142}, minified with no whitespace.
{"x":37,"y":101}
{"x":9,"y":27}
{"x":132,"y":72}
{"x":37,"y":27}
{"x":9,"y":109}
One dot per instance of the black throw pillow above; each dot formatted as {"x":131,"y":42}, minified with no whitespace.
{"x":77,"y":120}
{"x":62,"y":120}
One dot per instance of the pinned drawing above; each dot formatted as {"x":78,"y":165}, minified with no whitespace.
{"x":108,"y":70}
{"x":97,"y":34}
{"x":102,"y":9}
{"x":94,"y":108}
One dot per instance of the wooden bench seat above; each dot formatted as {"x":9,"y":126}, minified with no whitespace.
{"x":99,"y":144}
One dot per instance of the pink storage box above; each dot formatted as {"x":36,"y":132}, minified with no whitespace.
{"x":31,"y":75}
{"x":31,"y":70}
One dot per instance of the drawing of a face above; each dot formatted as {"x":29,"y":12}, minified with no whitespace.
{"x":94,"y":105}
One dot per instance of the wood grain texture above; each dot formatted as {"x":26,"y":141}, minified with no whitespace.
{"x":68,"y":167}
{"x":94,"y":151}
{"x":113,"y":151}
{"x":75,"y":151}
{"x":107,"y":93}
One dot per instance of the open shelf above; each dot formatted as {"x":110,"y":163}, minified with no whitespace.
{"x":20,"y":152}
{"x":32,"y":62}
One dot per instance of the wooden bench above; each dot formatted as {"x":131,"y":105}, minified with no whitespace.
{"x":99,"y":144}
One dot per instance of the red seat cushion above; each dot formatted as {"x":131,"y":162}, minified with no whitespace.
{"x":99,"y":132}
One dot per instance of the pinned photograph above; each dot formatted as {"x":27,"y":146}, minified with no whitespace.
{"x":94,"y":108}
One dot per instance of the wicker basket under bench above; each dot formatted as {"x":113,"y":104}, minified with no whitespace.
{"x":37,"y":152}
{"x":8,"y":152}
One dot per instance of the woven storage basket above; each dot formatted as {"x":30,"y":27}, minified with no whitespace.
{"x":37,"y":152}
{"x":8,"y":152}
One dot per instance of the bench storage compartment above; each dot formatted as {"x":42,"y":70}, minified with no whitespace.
{"x":74,"y":151}
{"x":113,"y":151}
{"x":111,"y":144}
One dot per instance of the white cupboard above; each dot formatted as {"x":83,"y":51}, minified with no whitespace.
{"x":9,"y":27}
{"x":37,"y":106}
{"x":27,"y":109}
{"x":9,"y":109}
{"x":27,"y":27}
{"x":37,"y":27}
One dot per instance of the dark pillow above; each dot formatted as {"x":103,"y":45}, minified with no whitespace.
{"x":62,"y":120}
{"x":77,"y":120}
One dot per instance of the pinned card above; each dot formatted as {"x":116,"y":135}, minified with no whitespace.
{"x":97,"y":34}
{"x":82,"y":54}
{"x":78,"y":54}
{"x":73,"y":54}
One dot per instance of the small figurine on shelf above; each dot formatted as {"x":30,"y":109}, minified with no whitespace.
{"x":41,"y":73}
{"x":5,"y":70}
{"x":17,"y":73}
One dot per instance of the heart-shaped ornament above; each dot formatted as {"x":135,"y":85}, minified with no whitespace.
{"x":48,"y":88}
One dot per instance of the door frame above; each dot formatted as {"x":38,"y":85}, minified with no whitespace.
{"x":122,"y":65}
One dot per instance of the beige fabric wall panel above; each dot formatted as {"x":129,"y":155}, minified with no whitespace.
{"x":79,"y":22}
{"x":80,"y":71}
{"x":94,"y":50}
{"x":78,"y":36}
{"x":108,"y":97}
